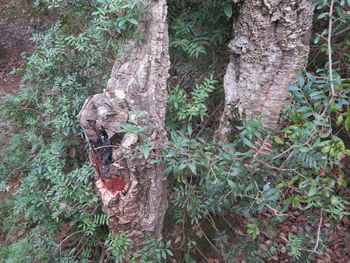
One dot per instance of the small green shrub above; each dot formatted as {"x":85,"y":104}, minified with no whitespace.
{"x":182,"y":108}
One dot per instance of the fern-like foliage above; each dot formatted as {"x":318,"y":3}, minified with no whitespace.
{"x":73,"y":59}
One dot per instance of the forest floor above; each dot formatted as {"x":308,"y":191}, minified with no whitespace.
{"x":14,"y":39}
{"x":17,"y":24}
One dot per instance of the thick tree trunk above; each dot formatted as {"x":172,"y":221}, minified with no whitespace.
{"x":269,"y":50}
{"x":132,"y":189}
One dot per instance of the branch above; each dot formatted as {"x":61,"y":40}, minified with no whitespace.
{"x":103,"y":255}
{"x":277,"y":213}
{"x":67,"y":237}
{"x":318,"y":231}
{"x":330,"y":69}
{"x":199,"y":226}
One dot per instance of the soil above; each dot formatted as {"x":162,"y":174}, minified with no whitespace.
{"x":16,"y":28}
{"x":14,"y":40}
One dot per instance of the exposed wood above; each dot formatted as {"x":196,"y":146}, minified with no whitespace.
{"x":132,"y":190}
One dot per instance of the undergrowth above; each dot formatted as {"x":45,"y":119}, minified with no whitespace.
{"x":262,"y":176}
{"x":55,"y":203}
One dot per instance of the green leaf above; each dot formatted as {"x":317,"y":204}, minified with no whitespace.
{"x":145,"y":138}
{"x":189,"y":130}
{"x":292,"y":87}
{"x":303,"y":109}
{"x":347,"y":123}
{"x":304,"y":149}
{"x":170,"y":252}
{"x":167,"y":171}
{"x":273,"y":197}
{"x":296,"y":201}
{"x":193,"y":167}
{"x":253,"y":229}
{"x":231,"y":184}
{"x":133,"y":21}
{"x":313,"y":190}
{"x":266,"y":187}
{"x":310,"y":76}
{"x":325,"y":135}
{"x":272,"y":192}
{"x":343,"y":182}
{"x":301,"y":81}
{"x":278,"y":140}
{"x":316,"y":93}
{"x":261,"y":207}
{"x":326,"y":149}
{"x":317,"y":39}
{"x":323,"y":15}
{"x":228,"y":10}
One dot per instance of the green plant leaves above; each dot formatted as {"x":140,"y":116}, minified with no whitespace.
{"x":347,"y":123}
{"x":178,"y":100}
{"x":253,"y":229}
{"x":313,"y":190}
{"x":228,"y":9}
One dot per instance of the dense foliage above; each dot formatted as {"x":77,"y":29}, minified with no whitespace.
{"x":56,"y":202}
{"x":260,"y":174}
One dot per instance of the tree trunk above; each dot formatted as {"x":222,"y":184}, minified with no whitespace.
{"x":132,"y":189}
{"x":269,"y":50}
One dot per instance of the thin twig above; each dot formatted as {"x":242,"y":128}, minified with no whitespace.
{"x":67,"y":237}
{"x":200,"y":252}
{"x":225,"y":195}
{"x":103,"y":255}
{"x":330,"y":69}
{"x":318,"y":232}
{"x":212,"y":222}
{"x":228,"y":223}
{"x":342,"y":31}
{"x":107,"y":146}
{"x":277,"y":213}
{"x":282,"y":153}
{"x":287,"y":170}
{"x":82,"y":245}
{"x":207,"y":238}
{"x":287,"y":159}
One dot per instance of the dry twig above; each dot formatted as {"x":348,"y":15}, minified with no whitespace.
{"x":318,"y":232}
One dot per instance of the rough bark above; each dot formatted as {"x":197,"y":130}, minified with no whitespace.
{"x":132,"y":190}
{"x":269,"y":50}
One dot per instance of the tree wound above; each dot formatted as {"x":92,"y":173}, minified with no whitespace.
{"x":104,"y":140}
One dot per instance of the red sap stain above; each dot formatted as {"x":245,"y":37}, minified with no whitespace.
{"x":96,"y":162}
{"x":115,"y":184}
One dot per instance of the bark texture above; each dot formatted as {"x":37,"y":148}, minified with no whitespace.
{"x":132,"y":190}
{"x":269,"y":50}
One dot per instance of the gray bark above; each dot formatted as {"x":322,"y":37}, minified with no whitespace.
{"x":132,"y":190}
{"x":269,"y":50}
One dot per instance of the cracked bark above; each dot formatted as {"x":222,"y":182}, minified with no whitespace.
{"x":269,"y":50}
{"x":132,"y":190}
